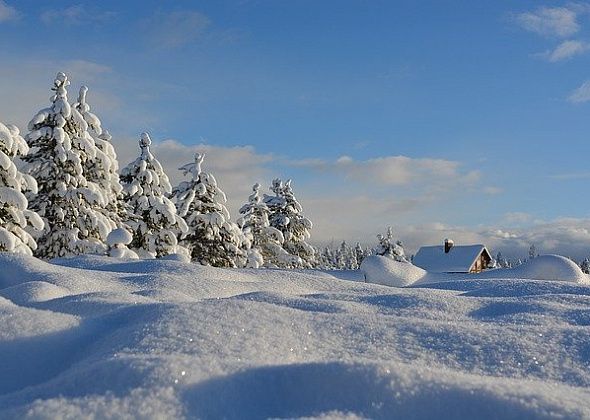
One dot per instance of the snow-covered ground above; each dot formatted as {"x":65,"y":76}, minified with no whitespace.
{"x":93,"y":336}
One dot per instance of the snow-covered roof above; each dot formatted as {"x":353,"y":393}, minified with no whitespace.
{"x":459,"y":259}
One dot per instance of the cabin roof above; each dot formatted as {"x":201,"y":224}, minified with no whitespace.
{"x":459,"y":259}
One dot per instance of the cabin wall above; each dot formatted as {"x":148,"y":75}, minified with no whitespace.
{"x":480,"y":264}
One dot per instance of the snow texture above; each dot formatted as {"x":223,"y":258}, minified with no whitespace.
{"x":94,"y":337}
{"x":119,"y":236}
{"x":387,"y":271}
{"x":381,"y":270}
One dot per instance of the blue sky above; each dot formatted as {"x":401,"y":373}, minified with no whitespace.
{"x":461,"y":119}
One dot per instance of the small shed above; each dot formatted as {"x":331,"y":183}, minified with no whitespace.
{"x":451,"y":258}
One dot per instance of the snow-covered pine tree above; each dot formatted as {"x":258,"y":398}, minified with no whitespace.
{"x":158,"y":226}
{"x":266,"y":241}
{"x":212,"y":238}
{"x":67,"y":202}
{"x":532,"y":252}
{"x":501,"y":262}
{"x":15,"y":218}
{"x":360,"y":254}
{"x":389,"y":247}
{"x":585,"y":266}
{"x":287,"y":216}
{"x":325,"y":259}
{"x":102,"y":168}
{"x":345,"y":257}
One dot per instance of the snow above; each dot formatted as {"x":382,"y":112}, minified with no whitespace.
{"x":459,"y":259}
{"x":550,"y":267}
{"x":119,"y":236}
{"x":96,"y":337}
{"x":382,"y":270}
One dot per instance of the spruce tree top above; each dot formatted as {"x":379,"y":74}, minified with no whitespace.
{"x":145,"y":175}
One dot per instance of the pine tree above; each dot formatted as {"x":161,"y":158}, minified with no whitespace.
{"x":286,"y":216}
{"x":145,"y":186}
{"x":501,"y":262}
{"x":585,"y":266}
{"x":326,"y":260}
{"x":345,"y":257}
{"x":360,"y":254}
{"x":212,"y":238}
{"x":266,"y":241}
{"x":389,"y":247}
{"x":15,"y":218}
{"x":532,"y":252}
{"x":102,"y":168}
{"x":67,"y":202}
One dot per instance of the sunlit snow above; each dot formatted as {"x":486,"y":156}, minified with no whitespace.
{"x":97,"y":336}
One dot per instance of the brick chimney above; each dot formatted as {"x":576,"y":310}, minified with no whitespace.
{"x":448,"y":245}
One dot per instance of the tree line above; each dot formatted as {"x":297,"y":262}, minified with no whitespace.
{"x":68,"y":197}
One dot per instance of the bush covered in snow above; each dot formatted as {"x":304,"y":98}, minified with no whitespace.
{"x":117,"y":241}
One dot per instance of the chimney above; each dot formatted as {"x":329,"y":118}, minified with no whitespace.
{"x":448,"y":245}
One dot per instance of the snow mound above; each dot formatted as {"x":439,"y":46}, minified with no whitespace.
{"x":383,"y":270}
{"x":548,"y":267}
{"x":119,"y":236}
{"x":388,"y":272}
{"x":34,"y":291}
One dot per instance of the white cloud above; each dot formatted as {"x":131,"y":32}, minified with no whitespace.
{"x":565,"y":236}
{"x":581,"y":94}
{"x":175,"y":29}
{"x":76,"y":15}
{"x":396,"y":171}
{"x":357,"y":217}
{"x":566,"y":50}
{"x":353,"y":213}
{"x":550,"y":21}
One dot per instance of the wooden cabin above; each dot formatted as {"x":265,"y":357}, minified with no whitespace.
{"x":451,"y":258}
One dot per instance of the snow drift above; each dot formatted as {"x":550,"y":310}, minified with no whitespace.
{"x":549,"y":267}
{"x":96,"y":337}
{"x":382,"y":270}
{"x":386,"y":271}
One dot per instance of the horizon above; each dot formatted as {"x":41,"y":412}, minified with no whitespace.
{"x":467,"y":122}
